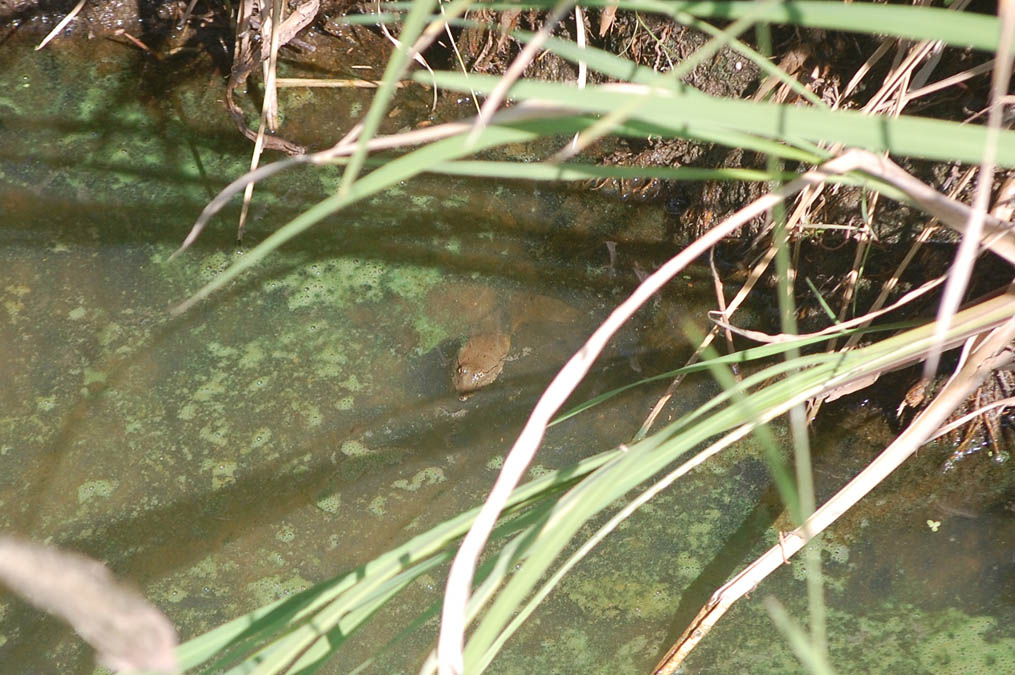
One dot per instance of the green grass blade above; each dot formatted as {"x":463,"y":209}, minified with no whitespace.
{"x":576,"y":172}
{"x":812,"y":657}
{"x":959,"y":29}
{"x":687,"y":110}
{"x":644,"y":459}
{"x":240,"y":635}
{"x":413,"y":26}
{"x":380,"y":179}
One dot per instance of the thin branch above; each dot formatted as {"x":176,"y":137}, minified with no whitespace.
{"x":63,"y":24}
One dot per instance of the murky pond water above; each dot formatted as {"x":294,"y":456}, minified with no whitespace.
{"x":305,"y":420}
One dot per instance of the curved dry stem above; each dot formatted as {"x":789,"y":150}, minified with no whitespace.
{"x":58,"y":28}
{"x":962,"y":269}
{"x":991,"y":351}
{"x":345,"y":148}
{"x":765,"y":338}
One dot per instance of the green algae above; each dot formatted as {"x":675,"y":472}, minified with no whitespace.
{"x":310,"y":413}
{"x":93,"y":376}
{"x":426,"y":477}
{"x":223,"y":473}
{"x":889,"y":639}
{"x":538,"y":470}
{"x":255,"y":421}
{"x":572,"y":651}
{"x":429,"y":333}
{"x":261,"y":437}
{"x":378,"y":506}
{"x":193,"y":409}
{"x":329,"y":503}
{"x":972,"y":645}
{"x":276,"y":586}
{"x":354,"y":448}
{"x":615,"y":597}
{"x":99,"y":488}
{"x":285,"y":533}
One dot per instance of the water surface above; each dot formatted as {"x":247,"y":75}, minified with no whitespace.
{"x":303,"y":420}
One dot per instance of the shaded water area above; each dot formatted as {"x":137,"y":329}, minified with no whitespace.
{"x":304,"y":420}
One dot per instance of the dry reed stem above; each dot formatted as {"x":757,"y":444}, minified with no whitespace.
{"x":458,"y":58}
{"x":347,"y":145}
{"x":129,"y":634}
{"x":951,"y":81}
{"x":269,"y":108}
{"x":607,"y":16}
{"x":456,"y":598}
{"x":991,"y":351}
{"x":63,"y":24}
{"x":311,"y":82}
{"x":276,"y":30}
{"x":767,"y":338}
{"x":453,"y":616}
{"x":969,"y":417}
{"x":891,"y":92}
{"x":893,"y":281}
{"x":416,"y":51}
{"x":731,"y":308}
{"x":720,"y":300}
{"x":962,"y":268}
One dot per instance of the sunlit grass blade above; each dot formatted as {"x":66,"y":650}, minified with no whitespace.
{"x":810,"y":656}
{"x":644,"y":459}
{"x":414,"y":23}
{"x":741,"y":357}
{"x":346,"y":603}
{"x":687,"y":110}
{"x":959,"y":29}
{"x":578,"y":172}
{"x":246,"y":633}
{"x":380,"y":179}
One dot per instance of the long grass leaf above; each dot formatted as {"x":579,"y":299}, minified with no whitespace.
{"x":686,"y":109}
{"x":380,"y":179}
{"x":959,"y":29}
{"x":274,"y":617}
{"x":413,"y":26}
{"x":644,"y":459}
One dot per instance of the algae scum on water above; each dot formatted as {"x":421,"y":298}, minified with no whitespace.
{"x":304,"y":419}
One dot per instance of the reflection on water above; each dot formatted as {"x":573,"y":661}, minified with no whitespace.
{"x":304,"y":420}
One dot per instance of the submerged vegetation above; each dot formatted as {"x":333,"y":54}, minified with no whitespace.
{"x":792,"y":124}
